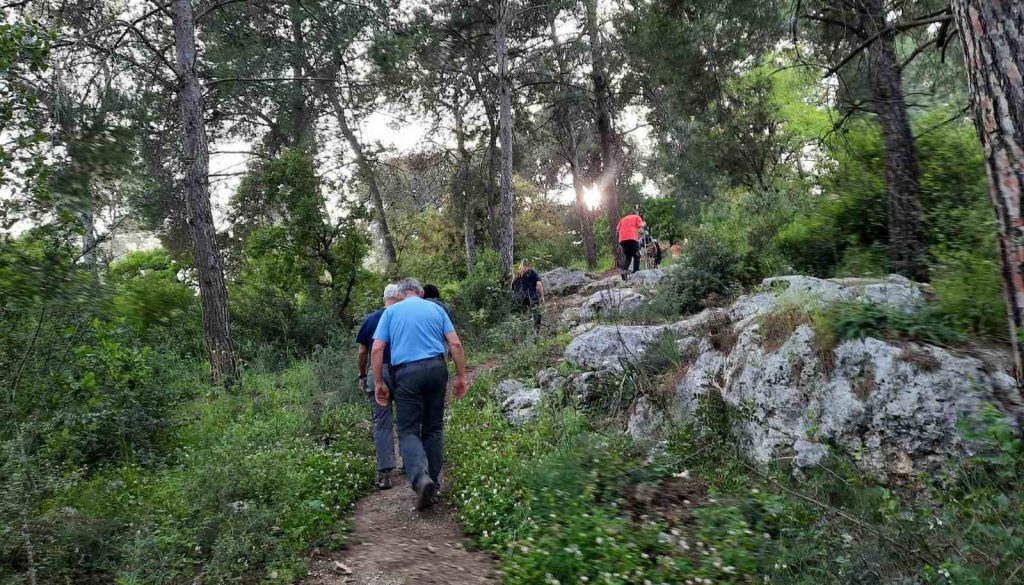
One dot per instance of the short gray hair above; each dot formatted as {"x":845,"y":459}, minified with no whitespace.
{"x":390,"y":291}
{"x":410,"y":285}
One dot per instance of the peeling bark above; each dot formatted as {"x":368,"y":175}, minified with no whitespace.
{"x":993,"y":39}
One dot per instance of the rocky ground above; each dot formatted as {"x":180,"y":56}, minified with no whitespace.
{"x":899,"y":407}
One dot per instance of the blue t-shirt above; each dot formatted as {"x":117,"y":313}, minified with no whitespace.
{"x":414,"y":329}
{"x":365,"y":335}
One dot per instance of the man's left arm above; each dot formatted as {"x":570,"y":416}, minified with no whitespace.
{"x":459,"y":356}
{"x":540,"y":290}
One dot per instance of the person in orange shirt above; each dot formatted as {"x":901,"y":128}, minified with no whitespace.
{"x":629,"y":239}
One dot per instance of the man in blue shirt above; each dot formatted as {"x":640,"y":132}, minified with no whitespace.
{"x":416,"y":331}
{"x":383,"y":442}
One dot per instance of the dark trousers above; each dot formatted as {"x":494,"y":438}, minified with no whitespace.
{"x":419,"y":390}
{"x":631,"y":250}
{"x":383,"y":443}
{"x":532,"y":305}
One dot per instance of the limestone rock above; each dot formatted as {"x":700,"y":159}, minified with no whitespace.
{"x":646,"y":420}
{"x":646,"y":278}
{"x":611,"y":346}
{"x":605,"y":283}
{"x":550,"y":381}
{"x":611,"y":302}
{"x":522,"y":407}
{"x":585,"y":386}
{"x":507,"y":388}
{"x":808,"y":454}
{"x":564,"y":281}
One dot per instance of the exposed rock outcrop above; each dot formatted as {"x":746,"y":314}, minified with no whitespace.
{"x":610,"y":303}
{"x":564,"y":281}
{"x":896,"y":407}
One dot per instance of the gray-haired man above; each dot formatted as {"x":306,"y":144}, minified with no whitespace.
{"x":383,"y":440}
{"x":415,"y":330}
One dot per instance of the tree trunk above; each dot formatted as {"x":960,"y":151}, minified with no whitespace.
{"x":213,"y":292}
{"x":993,"y":38}
{"x":301,"y":119}
{"x":387,"y":243}
{"x":571,"y":152}
{"x":586,"y":227}
{"x":461,"y":184}
{"x":902,"y":173}
{"x":506,"y":200}
{"x":609,"y":165}
{"x":490,"y":188}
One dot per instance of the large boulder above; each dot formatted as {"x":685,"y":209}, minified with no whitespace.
{"x":611,"y":346}
{"x":522,"y":407}
{"x":611,"y":303}
{"x":604,"y":283}
{"x":506,"y":388}
{"x":646,"y":278}
{"x":564,"y":281}
{"x":518,"y":403}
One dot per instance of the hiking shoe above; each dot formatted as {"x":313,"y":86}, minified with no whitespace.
{"x":383,"y":480}
{"x":425,"y":489}
{"x":623,"y":275}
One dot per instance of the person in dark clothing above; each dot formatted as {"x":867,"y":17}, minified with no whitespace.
{"x":528,"y":292}
{"x":383,"y":441}
{"x":433,"y":294}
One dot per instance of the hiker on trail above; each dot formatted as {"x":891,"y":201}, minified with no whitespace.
{"x":433,"y":294}
{"x":528,"y":292}
{"x":652,"y":247}
{"x":629,"y":239}
{"x":415,"y":330}
{"x":383,"y":442}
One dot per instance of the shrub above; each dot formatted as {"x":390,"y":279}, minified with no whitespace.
{"x":859,"y":320}
{"x":968,"y":287}
{"x":707,"y":276}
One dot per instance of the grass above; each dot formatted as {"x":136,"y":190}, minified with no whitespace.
{"x":246,"y":486}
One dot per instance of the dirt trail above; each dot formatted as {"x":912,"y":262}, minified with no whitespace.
{"x":391,"y":543}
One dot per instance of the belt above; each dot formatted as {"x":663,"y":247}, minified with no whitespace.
{"x":396,"y":367}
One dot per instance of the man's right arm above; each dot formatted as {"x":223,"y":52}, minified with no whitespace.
{"x":363,"y":354}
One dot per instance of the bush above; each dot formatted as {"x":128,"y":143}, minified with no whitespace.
{"x":968,"y":287}
{"x":859,"y":320}
{"x":247,"y":488}
{"x":707,"y":276}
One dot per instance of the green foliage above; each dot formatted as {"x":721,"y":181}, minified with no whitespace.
{"x":301,"y":276}
{"x":859,"y":320}
{"x":707,"y":276}
{"x":246,"y":486}
{"x":968,"y":287}
{"x":155,"y":298}
{"x":24,"y":51}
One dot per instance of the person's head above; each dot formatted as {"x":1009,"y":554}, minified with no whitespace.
{"x":409,"y":287}
{"x":430,"y":291}
{"x":390,"y":294}
{"x":524,"y":265}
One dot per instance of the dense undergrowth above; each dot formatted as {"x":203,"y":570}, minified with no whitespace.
{"x":242,"y":488}
{"x":567,"y":500}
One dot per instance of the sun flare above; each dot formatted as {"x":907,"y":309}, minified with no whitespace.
{"x":592,"y":198}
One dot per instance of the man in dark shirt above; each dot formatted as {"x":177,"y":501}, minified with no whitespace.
{"x":433,"y":294}
{"x":528,"y":292}
{"x":383,"y":441}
